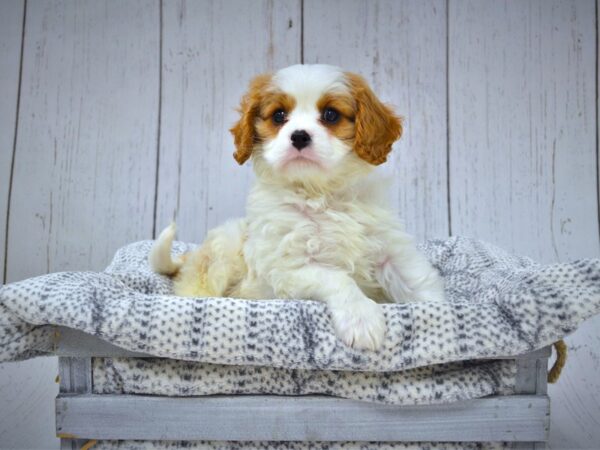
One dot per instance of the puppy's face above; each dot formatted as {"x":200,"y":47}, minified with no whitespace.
{"x":313,"y":123}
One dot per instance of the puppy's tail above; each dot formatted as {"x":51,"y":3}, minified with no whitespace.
{"x":160,"y":254}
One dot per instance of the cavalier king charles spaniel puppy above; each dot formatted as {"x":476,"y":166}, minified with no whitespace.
{"x":317,"y":226}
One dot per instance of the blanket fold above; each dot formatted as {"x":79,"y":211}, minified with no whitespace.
{"x":498,"y":304}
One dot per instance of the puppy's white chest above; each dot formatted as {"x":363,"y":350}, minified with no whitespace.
{"x":329,"y":233}
{"x":297,"y":232}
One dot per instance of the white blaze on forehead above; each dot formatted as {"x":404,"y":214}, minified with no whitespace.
{"x":308,"y":82}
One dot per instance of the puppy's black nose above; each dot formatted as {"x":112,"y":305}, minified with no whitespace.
{"x":300,"y":139}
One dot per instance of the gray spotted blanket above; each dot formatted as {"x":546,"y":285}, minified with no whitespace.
{"x":497,"y":304}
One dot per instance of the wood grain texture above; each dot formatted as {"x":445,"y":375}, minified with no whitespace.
{"x":27,"y":394}
{"x":400,"y":47}
{"x":576,"y":397}
{"x":211,"y":50}
{"x":526,"y":377}
{"x":26,"y":387}
{"x":522,"y":126}
{"x":312,"y":418}
{"x":75,"y":375}
{"x":523,"y":157}
{"x":84,"y":165}
{"x":86,"y":149}
{"x":11,"y":30}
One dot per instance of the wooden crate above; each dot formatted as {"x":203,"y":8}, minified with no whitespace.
{"x":522,"y":418}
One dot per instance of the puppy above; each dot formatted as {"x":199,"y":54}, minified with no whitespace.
{"x":316,"y":227}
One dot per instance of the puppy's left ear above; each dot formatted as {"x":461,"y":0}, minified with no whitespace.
{"x":376,"y":126}
{"x":244,"y":131}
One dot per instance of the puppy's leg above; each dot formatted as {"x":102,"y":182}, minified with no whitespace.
{"x":405,"y":273}
{"x":358,"y":321}
{"x":216,"y":267}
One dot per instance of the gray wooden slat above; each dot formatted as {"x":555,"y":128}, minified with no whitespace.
{"x":211,"y":50}
{"x":542,"y":374}
{"x":532,"y":375}
{"x":526,"y":378}
{"x":83,"y":182}
{"x":75,"y":374}
{"x":84,"y":170}
{"x":314,"y":418}
{"x":522,"y":109}
{"x":27,"y":386}
{"x":400,"y":47}
{"x":75,"y":343}
{"x":522,"y":125}
{"x":11,"y":29}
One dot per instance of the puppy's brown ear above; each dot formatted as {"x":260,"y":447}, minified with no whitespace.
{"x":376,"y":126}
{"x":244,"y":131}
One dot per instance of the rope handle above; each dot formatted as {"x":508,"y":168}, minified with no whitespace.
{"x":89,"y":444}
{"x":561,"y":359}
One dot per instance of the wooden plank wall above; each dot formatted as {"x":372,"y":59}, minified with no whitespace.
{"x":11,"y":31}
{"x":27,"y":389}
{"x":400,"y":47}
{"x":522,"y":157}
{"x":522,"y":125}
{"x":204,"y":73}
{"x":85,"y":159}
{"x":121,"y":113}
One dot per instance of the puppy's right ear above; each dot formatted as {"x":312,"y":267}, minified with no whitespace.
{"x":244,"y":131}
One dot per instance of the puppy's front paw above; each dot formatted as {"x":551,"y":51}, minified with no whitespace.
{"x":360,"y":323}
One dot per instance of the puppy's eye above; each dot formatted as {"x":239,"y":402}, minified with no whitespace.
{"x":330,"y":115}
{"x":279,"y":116}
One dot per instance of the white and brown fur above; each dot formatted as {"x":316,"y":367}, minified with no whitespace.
{"x":315,"y":226}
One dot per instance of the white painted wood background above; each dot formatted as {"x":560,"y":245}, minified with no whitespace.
{"x":114,"y":118}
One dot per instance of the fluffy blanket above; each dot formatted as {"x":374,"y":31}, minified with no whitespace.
{"x":497,"y":304}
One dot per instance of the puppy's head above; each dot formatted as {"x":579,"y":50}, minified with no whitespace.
{"x":315,"y":123}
